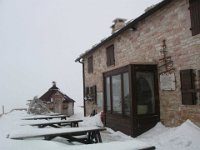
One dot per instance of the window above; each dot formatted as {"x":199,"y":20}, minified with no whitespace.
{"x":117,"y":93}
{"x":65,"y":105}
{"x":195,"y":16}
{"x":90,"y":93}
{"x":188,"y":87}
{"x":90,"y":64}
{"x":110,"y":55}
{"x":100,"y":100}
{"x":51,"y":106}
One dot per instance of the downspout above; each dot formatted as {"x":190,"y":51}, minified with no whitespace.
{"x":83,"y":73}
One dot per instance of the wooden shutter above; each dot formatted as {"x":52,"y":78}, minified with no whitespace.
{"x":86,"y":91}
{"x":187,"y":87}
{"x":93,"y":93}
{"x":90,"y":64}
{"x":110,"y":55}
{"x":199,"y":80}
{"x":195,"y":16}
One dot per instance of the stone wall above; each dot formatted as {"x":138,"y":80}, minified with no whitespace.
{"x":59,"y":106}
{"x":69,"y":110}
{"x":171,"y":23}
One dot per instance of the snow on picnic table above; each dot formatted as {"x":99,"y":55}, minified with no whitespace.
{"x":47,"y":117}
{"x":184,"y":137}
{"x":48,"y":131}
{"x":52,"y":121}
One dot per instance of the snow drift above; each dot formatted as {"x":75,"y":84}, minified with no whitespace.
{"x":183,"y":137}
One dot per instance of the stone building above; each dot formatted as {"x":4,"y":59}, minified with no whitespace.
{"x":148,"y":70}
{"x":57,"y":101}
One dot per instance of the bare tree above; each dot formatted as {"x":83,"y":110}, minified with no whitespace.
{"x":37,"y":107}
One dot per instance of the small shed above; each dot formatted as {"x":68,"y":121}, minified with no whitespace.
{"x":57,"y":101}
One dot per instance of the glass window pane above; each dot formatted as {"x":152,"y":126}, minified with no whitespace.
{"x":100,"y":100}
{"x":116,"y":94}
{"x":145,"y":92}
{"x":127,"y":101}
{"x":108,"y":94}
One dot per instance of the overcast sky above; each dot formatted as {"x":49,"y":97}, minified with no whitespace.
{"x":40,"y":39}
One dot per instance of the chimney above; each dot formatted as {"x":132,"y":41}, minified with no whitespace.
{"x":118,"y":24}
{"x":54,"y":83}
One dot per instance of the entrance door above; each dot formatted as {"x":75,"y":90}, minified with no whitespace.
{"x":58,"y":106}
{"x":146,"y":97}
{"x":145,"y":92}
{"x":131,"y":103}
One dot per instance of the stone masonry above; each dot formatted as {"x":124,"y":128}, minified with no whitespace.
{"x":171,"y":23}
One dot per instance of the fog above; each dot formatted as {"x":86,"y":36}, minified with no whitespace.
{"x":40,"y":40}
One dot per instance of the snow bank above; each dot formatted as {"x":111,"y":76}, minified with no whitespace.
{"x":10,"y":124}
{"x":92,"y":121}
{"x":111,"y":135}
{"x":184,"y":137}
{"x":127,"y":145}
{"x":78,"y":112}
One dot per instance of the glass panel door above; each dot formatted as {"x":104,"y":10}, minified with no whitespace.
{"x":116,"y":94}
{"x":127,"y":100}
{"x":108,"y":101}
{"x":145,"y":92}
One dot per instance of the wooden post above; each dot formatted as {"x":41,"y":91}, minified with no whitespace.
{"x":3,"y":109}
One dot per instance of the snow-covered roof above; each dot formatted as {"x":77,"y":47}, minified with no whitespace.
{"x":54,"y":89}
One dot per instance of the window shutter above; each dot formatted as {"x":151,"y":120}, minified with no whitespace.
{"x":195,"y":16}
{"x":199,"y":79}
{"x":110,"y":55}
{"x":187,"y":87}
{"x":94,"y":91}
{"x":86,"y":91}
{"x":90,"y":64}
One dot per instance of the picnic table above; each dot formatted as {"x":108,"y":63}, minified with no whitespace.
{"x":62,"y":117}
{"x":57,"y":124}
{"x":85,"y":135}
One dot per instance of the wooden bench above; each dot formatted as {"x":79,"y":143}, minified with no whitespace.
{"x":57,"y":124}
{"x":91,"y":134}
{"x":148,"y":148}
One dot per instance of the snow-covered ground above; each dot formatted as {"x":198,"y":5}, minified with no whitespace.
{"x":184,"y":137}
